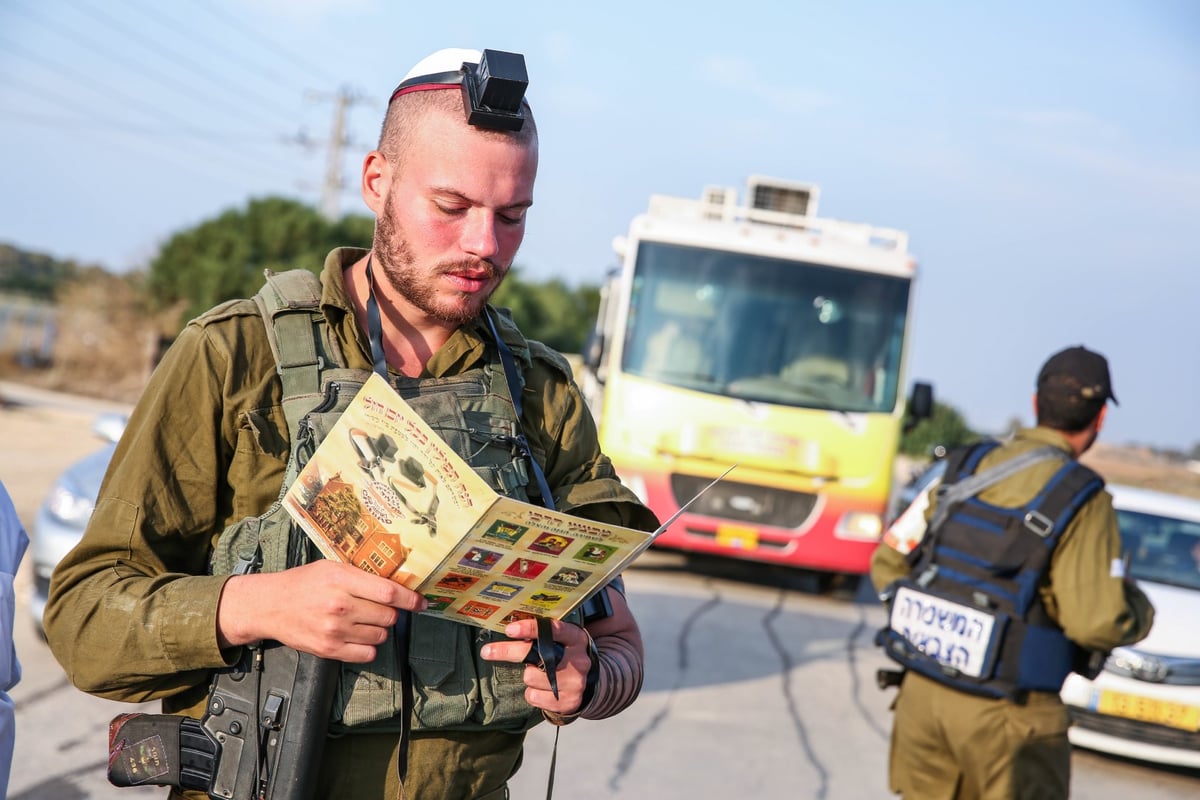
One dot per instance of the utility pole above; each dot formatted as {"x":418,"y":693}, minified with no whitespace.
{"x":331,"y":187}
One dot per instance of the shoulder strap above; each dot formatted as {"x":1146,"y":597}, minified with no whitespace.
{"x":1047,"y":514}
{"x":949,"y":495}
{"x":290,"y":303}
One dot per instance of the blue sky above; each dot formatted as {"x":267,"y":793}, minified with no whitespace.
{"x":1044,"y":157}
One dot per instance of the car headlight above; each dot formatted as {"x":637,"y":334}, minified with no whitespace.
{"x":70,"y":507}
{"x":1129,"y":663}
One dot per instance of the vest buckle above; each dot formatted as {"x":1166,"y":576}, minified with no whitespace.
{"x":1039,"y":523}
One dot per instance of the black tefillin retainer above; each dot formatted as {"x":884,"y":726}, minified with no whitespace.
{"x":494,"y":89}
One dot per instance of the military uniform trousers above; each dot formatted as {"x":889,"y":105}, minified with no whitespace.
{"x":949,"y":745}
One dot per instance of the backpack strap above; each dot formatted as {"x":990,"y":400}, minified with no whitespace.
{"x":290,"y":303}
{"x":950,"y":494}
{"x":1047,"y":514}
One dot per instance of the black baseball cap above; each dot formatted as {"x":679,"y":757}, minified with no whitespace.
{"x":1079,"y":372}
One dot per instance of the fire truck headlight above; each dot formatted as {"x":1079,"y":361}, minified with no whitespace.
{"x":859,"y":525}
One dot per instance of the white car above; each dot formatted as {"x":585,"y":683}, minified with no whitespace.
{"x":1146,"y":702}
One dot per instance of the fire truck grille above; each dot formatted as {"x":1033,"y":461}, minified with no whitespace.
{"x":743,"y":502}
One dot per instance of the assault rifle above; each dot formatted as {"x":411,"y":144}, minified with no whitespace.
{"x":260,"y":738}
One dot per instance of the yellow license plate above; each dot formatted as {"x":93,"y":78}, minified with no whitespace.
{"x":737,"y":536}
{"x":1146,"y":709}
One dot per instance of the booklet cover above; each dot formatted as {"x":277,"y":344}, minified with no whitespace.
{"x":384,"y":492}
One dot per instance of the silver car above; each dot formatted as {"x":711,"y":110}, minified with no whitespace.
{"x":67,"y":508}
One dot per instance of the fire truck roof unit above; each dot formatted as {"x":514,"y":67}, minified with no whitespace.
{"x":775,"y":202}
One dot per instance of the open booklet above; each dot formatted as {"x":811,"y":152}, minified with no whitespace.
{"x":384,"y":492}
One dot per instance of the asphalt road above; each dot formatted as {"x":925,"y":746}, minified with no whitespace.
{"x":758,"y":685}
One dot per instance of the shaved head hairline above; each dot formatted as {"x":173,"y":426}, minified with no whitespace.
{"x":406,"y":112}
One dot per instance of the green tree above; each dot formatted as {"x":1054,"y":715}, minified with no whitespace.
{"x":945,"y":427}
{"x":35,"y":275}
{"x":224,"y":258}
{"x":550,"y":312}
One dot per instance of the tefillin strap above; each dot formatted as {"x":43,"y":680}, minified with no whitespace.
{"x":509,"y":365}
{"x":547,"y":652}
{"x":403,"y":625}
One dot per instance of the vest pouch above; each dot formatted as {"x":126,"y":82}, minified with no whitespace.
{"x":368,"y":694}
{"x":440,"y":674}
{"x":338,"y":390}
{"x":472,"y":421}
{"x":999,"y":548}
{"x":270,"y":534}
{"x":1024,"y":548}
{"x":940,"y":636}
{"x":504,"y":471}
{"x":454,"y":687}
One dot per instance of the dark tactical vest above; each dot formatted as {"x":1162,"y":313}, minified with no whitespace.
{"x":453,"y":688}
{"x":970,"y":615}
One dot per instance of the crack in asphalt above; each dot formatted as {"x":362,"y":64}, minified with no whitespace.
{"x":629,"y":752}
{"x":856,"y":684}
{"x":785,"y":659}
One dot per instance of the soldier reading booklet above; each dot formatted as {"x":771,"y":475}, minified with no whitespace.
{"x":384,"y":492}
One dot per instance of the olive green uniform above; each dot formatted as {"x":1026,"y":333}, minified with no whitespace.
{"x":950,"y":745}
{"x":131,"y":614}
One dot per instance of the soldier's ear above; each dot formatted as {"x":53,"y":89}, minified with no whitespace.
{"x":376,"y":180}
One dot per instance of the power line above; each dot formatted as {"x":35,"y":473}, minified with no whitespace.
{"x":229,"y":53}
{"x":107,"y":92}
{"x":80,"y":123}
{"x":92,"y":44}
{"x":171,"y":154}
{"x":333,"y":183}
{"x":261,"y":41}
{"x":176,"y":57}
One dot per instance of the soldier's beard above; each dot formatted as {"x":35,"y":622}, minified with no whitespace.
{"x":421,"y":286}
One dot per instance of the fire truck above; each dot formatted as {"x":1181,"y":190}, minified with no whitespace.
{"x":757,"y":334}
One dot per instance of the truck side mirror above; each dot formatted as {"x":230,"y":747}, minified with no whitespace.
{"x":920,"y":404}
{"x":593,"y":351}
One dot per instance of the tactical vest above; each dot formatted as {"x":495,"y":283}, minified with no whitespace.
{"x":970,"y":616}
{"x":453,"y":688}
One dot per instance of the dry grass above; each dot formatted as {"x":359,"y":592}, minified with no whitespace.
{"x":1138,"y":466}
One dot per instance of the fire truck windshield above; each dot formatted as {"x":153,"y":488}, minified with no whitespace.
{"x":766,"y":329}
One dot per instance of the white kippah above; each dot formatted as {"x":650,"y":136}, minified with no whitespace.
{"x":443,"y":70}
{"x":449,"y":59}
